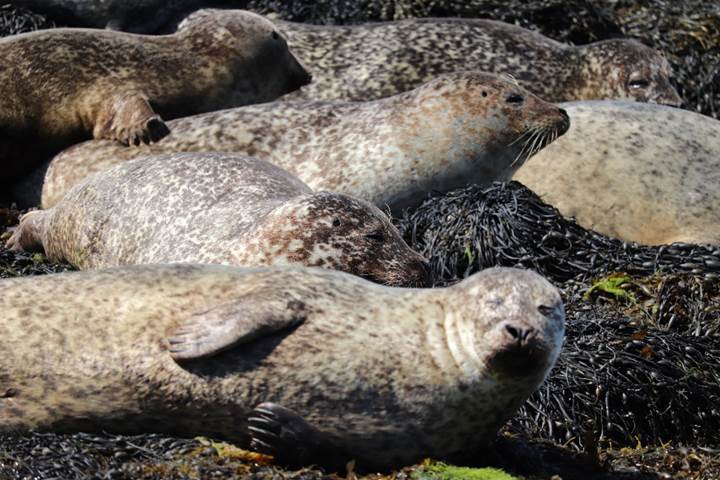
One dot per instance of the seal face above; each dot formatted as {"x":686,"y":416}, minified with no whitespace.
{"x":62,"y":86}
{"x":377,"y":60}
{"x":642,"y":173}
{"x":217,"y":208}
{"x":386,"y":376}
{"x":461,"y":128}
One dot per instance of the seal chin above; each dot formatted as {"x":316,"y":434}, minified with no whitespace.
{"x":419,"y":276}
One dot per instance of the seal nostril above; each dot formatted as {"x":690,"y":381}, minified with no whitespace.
{"x":514,"y":98}
{"x":514,"y":332}
{"x":564,"y":113}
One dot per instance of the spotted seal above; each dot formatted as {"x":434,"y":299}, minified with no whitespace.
{"x":217,"y":208}
{"x":457,"y":129}
{"x":377,"y":60}
{"x":320,"y":361}
{"x":639,"y":172}
{"x":62,"y":86}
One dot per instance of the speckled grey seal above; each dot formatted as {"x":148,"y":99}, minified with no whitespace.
{"x":644,"y":173}
{"x":386,"y":376}
{"x":377,"y":60}
{"x":217,"y":208}
{"x":460,"y":128}
{"x":62,"y":86}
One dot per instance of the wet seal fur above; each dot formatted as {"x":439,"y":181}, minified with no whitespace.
{"x":386,"y":376}
{"x":461,"y":128}
{"x":377,"y":60}
{"x":217,"y":208}
{"x":62,"y":86}
{"x":638,"y":172}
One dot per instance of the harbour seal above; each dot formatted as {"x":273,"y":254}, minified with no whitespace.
{"x":377,"y":60}
{"x":386,"y":376}
{"x":643,"y":173}
{"x":467,"y":127}
{"x":217,"y":208}
{"x":62,"y":86}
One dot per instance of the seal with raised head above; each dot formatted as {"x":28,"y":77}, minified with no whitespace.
{"x":370,"y":61}
{"x":467,"y":127}
{"x":62,"y":86}
{"x":217,"y":208}
{"x":351,"y":369}
{"x":643,"y":173}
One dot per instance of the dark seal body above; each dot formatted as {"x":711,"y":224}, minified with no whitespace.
{"x":642,"y":173}
{"x":137,"y":16}
{"x":461,"y":128}
{"x":377,"y":60}
{"x":217,"y":208}
{"x":387,"y":375}
{"x":62,"y":86}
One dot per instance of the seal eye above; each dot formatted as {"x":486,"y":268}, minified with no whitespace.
{"x":275,"y":35}
{"x":336,"y":222}
{"x":638,"y":84}
{"x":375,"y":237}
{"x":545,"y":310}
{"x":514,"y":98}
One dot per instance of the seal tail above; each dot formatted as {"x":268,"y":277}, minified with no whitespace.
{"x":28,"y":234}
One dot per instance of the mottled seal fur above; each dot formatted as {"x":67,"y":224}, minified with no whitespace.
{"x":385,"y":375}
{"x":377,"y":60}
{"x":460,"y":128}
{"x":217,"y":208}
{"x":644,"y":173}
{"x":62,"y":86}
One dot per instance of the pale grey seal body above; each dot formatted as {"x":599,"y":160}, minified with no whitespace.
{"x":217,"y":208}
{"x":643,"y":173}
{"x":386,"y":375}
{"x":460,"y":128}
{"x":377,"y":60}
{"x":62,"y":86}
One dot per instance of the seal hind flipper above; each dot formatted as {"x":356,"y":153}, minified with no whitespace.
{"x":212,"y":331}
{"x":28,"y":234}
{"x":291,"y":440}
{"x":130,"y":119}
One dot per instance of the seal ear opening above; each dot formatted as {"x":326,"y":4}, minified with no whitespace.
{"x":208,"y":332}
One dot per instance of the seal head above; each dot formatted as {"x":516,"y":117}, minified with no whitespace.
{"x":253,"y":42}
{"x":623,"y":69}
{"x":339,"y":232}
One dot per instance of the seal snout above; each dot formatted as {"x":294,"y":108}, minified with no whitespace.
{"x":520,"y":336}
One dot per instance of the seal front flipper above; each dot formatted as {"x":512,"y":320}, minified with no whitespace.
{"x":211,"y":331}
{"x":128,"y":118}
{"x":28,"y":234}
{"x":292,"y":441}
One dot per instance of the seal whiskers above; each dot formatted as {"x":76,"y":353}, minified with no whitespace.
{"x":459,"y":128}
{"x":344,"y":363}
